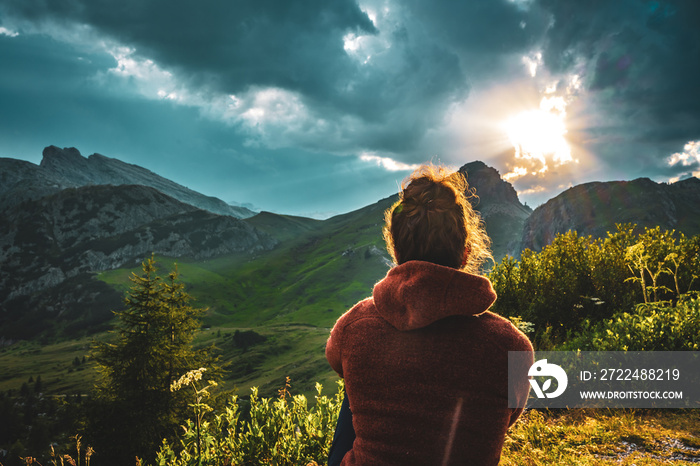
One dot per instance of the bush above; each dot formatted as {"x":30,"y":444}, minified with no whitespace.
{"x":283,"y":431}
{"x":652,"y":327}
{"x":577,"y":279}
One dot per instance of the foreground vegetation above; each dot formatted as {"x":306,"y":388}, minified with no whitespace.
{"x":604,"y":437}
{"x":288,"y":430}
{"x":285,"y":431}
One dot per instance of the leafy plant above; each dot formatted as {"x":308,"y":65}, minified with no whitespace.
{"x":282,"y":431}
{"x":200,"y":408}
{"x":651,"y":327}
{"x":576,"y":279}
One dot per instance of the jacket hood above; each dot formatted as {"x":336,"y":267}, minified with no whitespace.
{"x":416,"y":294}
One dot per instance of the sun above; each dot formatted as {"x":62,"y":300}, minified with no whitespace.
{"x":539,"y":134}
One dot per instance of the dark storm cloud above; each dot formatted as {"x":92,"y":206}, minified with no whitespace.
{"x":35,"y":60}
{"x":482,"y":32}
{"x":642,"y":56}
{"x":50,"y":97}
{"x":47,"y":93}
{"x":227,"y":46}
{"x":433,"y":52}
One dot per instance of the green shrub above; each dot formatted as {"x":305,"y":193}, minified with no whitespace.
{"x":651,"y":327}
{"x":577,"y":279}
{"x":283,"y":431}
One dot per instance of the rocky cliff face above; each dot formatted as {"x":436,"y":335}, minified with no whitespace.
{"x":94,"y":228}
{"x":21,"y":181}
{"x":595,"y":208}
{"x":70,"y":217}
{"x":499,"y":206}
{"x":64,"y":220}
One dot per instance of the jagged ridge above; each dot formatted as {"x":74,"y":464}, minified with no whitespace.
{"x":66,"y":168}
{"x":76,"y":232}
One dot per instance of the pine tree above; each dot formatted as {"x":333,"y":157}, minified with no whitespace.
{"x":152,"y":349}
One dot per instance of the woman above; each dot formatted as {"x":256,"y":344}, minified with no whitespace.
{"x":425,"y":364}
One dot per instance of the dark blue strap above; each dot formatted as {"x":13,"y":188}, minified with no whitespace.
{"x":344,"y":435}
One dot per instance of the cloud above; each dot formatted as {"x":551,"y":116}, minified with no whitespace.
{"x":689,"y":157}
{"x":373,"y":76}
{"x":640,"y":60}
{"x":6,"y":32}
{"x":392,"y":81}
{"x":227,"y":44}
{"x":483,"y":32}
{"x":353,"y":79}
{"x":516,"y":173}
{"x":388,"y":163}
{"x":689,"y":161}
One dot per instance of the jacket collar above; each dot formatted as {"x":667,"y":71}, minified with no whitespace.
{"x":416,"y":294}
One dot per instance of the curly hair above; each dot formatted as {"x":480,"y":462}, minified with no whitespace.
{"x":433,"y":221}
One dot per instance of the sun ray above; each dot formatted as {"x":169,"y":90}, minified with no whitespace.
{"x":539,"y":135}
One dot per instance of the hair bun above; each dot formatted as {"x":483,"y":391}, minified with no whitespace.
{"x":433,"y":221}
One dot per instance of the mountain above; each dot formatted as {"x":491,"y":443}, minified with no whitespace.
{"x":283,"y":227}
{"x":47,"y":243}
{"x":595,"y":208}
{"x":70,"y":217}
{"x":500,"y":209}
{"x":66,"y":168}
{"x":21,"y":180}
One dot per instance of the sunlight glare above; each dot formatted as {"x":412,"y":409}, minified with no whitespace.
{"x":516,"y":173}
{"x":689,"y":156}
{"x":537,"y":134}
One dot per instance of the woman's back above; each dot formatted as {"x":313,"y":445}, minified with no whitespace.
{"x":426,"y":369}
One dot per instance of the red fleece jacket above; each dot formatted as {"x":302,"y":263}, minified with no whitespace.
{"x":426,"y":369}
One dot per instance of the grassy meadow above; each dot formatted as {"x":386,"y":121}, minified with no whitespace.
{"x":60,"y":366}
{"x":604,"y":437}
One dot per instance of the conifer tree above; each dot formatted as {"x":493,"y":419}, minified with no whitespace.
{"x":152,"y":348}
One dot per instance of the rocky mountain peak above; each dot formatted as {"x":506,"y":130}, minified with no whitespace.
{"x":595,"y":208}
{"x":67,"y":163}
{"x":489,"y":185}
{"x":55,"y":155}
{"x":476,"y":165}
{"x":497,"y":202}
{"x":51,"y":246}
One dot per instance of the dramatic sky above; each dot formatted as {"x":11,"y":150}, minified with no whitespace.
{"x":317,"y":107}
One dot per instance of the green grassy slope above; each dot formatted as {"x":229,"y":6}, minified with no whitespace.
{"x":283,"y":227}
{"x":60,"y":366}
